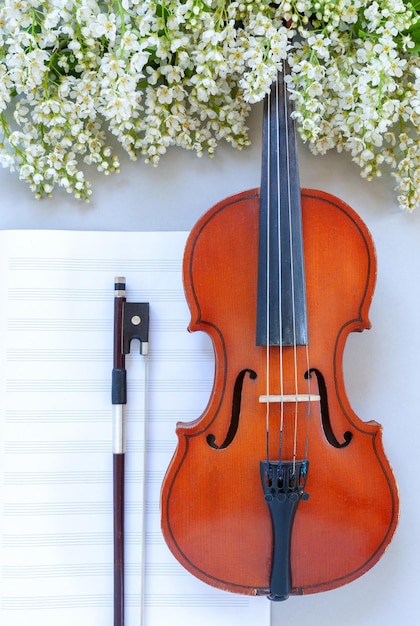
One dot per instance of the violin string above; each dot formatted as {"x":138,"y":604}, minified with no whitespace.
{"x":281,"y":377}
{"x":291,"y":243}
{"x":267,"y":289}
{"x":308,"y":404}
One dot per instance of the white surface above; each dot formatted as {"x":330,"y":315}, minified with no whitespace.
{"x":56,"y":553}
{"x":380,"y":364}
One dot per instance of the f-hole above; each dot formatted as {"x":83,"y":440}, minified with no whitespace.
{"x":325,"y":413}
{"x":236,"y":411}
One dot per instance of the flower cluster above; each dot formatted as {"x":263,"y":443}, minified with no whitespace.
{"x":160,"y":73}
{"x":356,"y":80}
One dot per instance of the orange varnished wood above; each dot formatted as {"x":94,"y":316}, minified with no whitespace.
{"x":214,"y":517}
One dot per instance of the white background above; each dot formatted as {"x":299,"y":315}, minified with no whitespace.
{"x":381,"y":365}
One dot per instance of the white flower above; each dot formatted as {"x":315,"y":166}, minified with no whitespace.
{"x":184,"y":73}
{"x":104,"y":26}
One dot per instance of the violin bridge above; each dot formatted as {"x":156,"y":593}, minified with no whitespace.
{"x":300,"y":397}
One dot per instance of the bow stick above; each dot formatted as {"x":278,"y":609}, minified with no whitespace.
{"x":131,"y":321}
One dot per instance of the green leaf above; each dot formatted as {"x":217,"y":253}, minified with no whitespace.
{"x":162,"y":11}
{"x":363,"y":34}
{"x":415,"y":33}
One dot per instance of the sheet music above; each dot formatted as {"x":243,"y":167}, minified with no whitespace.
{"x":55,"y":432}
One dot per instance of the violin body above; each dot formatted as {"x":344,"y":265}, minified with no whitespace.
{"x":215,"y":518}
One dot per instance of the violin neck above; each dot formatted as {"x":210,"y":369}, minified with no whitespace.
{"x":281,"y":306}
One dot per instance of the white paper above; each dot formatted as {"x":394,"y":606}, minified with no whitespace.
{"x":56,"y":436}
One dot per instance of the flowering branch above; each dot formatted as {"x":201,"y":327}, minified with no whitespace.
{"x":159,"y":73}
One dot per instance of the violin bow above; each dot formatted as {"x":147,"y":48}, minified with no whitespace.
{"x":131,"y":321}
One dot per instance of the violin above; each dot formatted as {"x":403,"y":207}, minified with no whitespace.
{"x":278,"y":488}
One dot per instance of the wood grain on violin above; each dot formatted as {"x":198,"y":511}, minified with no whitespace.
{"x":279,"y":488}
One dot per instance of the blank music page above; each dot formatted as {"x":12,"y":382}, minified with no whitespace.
{"x":56,"y":525}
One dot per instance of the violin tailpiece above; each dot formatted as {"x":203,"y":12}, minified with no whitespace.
{"x":283,"y":484}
